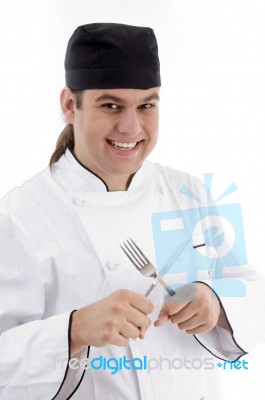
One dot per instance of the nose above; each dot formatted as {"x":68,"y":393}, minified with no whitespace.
{"x":129,"y":123}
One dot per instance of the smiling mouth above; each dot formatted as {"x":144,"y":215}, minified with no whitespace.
{"x":122,"y":145}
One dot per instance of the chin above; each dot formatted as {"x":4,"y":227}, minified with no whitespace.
{"x":125,"y":169}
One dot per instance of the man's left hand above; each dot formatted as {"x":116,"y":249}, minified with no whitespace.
{"x":194,"y":308}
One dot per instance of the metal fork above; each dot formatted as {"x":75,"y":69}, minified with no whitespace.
{"x":141,"y":262}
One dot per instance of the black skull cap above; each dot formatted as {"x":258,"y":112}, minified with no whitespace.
{"x":112,"y":56}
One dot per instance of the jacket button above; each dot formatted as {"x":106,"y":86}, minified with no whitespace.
{"x":113,"y":264}
{"x":78,"y":202}
{"x":161,"y":190}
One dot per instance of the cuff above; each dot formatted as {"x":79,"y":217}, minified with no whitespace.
{"x":220,"y":342}
{"x":73,"y":376}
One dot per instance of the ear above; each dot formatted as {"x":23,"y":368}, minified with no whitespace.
{"x":67,"y":100}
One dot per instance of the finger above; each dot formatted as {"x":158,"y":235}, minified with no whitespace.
{"x":169,"y":309}
{"x":142,"y":333}
{"x":161,"y":320}
{"x":184,"y":294}
{"x":173,"y":307}
{"x":165,"y":312}
{"x":137,"y":318}
{"x":116,"y":338}
{"x":185,"y":314}
{"x":199,"y":329}
{"x":141,"y":303}
{"x":120,"y":340}
{"x":129,"y":331}
{"x":192,"y":323}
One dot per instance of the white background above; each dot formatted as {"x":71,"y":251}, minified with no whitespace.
{"x":212,"y":110}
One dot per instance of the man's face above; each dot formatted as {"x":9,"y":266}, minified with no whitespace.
{"x":115,"y":130}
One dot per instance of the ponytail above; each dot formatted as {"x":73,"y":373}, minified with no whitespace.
{"x":64,"y":141}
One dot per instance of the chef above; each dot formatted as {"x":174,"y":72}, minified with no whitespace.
{"x":74,"y":320}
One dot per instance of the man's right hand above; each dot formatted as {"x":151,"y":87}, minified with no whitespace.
{"x":112,"y":320}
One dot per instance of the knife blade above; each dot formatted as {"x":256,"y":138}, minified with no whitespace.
{"x":174,"y":256}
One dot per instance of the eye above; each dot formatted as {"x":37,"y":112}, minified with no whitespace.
{"x":111,"y":106}
{"x":146,"y":106}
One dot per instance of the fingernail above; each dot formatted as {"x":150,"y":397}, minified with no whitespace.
{"x":142,"y":333}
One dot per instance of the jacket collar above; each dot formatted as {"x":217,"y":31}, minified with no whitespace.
{"x":73,"y":176}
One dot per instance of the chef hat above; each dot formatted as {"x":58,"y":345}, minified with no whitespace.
{"x":108,"y":56}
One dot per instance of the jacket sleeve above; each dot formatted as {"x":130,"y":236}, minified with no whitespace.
{"x":239,"y":287}
{"x":34,"y":347}
{"x":244,"y":314}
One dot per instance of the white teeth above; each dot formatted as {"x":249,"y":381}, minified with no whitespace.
{"x":123,"y":145}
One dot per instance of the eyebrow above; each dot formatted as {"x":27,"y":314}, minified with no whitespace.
{"x":116,"y":99}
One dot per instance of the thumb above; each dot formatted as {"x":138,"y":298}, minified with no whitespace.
{"x":162,"y":318}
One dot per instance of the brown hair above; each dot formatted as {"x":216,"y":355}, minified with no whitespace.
{"x":66,"y":139}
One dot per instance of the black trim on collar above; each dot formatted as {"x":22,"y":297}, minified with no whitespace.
{"x":82,"y":165}
{"x":102,"y":180}
{"x":130,"y":180}
{"x":232,"y":332}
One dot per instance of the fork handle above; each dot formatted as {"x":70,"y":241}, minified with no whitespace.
{"x":170,"y":291}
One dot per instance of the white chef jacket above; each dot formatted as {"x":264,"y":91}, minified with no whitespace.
{"x":59,"y":251}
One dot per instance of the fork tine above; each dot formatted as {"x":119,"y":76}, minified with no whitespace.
{"x":132,"y":259}
{"x":140,"y":251}
{"x":137,"y":257}
{"x":136,"y":253}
